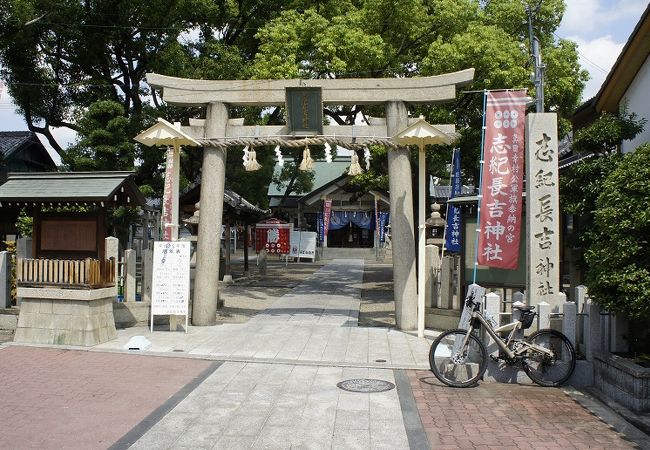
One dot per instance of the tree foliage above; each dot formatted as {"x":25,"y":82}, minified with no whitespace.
{"x":80,"y":53}
{"x":104,"y":142}
{"x":605,"y":135}
{"x":380,"y":38}
{"x":619,"y":257}
{"x":608,"y":195}
{"x":583,"y":182}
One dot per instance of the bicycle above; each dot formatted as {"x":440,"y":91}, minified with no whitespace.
{"x":458,"y":358}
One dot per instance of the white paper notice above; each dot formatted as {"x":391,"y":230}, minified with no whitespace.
{"x":171,"y":278}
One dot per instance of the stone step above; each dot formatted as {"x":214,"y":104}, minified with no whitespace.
{"x":350,"y":253}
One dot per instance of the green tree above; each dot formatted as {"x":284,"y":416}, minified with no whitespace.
{"x":79,"y":53}
{"x":381,"y":38}
{"x":619,"y":257}
{"x":83,"y":52}
{"x":104,"y":141}
{"x":583,"y":182}
{"x":605,"y":135}
{"x":608,"y":198}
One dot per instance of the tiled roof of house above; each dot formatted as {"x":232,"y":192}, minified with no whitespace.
{"x":10,"y":141}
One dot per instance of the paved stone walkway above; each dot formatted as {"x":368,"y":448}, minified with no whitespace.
{"x":277,"y":406}
{"x":316,"y":322}
{"x":506,"y":416}
{"x":271,"y":383}
{"x":279,"y":388}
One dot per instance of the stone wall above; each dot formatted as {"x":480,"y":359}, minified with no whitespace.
{"x":622,"y":381}
{"x":66,"y":316}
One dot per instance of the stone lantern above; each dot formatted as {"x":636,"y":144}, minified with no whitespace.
{"x":437,"y":225}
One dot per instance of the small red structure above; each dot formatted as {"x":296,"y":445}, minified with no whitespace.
{"x":272,"y":235}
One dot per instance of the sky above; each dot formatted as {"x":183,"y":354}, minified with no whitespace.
{"x":599,"y":27}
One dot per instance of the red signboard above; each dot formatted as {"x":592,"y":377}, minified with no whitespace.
{"x":273,"y":235}
{"x":327,"y":206}
{"x":167,"y":215}
{"x":503,"y":172}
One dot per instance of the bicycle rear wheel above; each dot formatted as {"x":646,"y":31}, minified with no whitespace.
{"x":547,"y":370}
{"x":453,"y":365}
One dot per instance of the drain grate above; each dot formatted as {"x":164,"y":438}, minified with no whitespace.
{"x":365,"y":385}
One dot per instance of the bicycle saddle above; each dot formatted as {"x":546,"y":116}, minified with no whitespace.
{"x":523,"y":307}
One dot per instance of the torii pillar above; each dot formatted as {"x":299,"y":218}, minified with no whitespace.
{"x":213,"y":178}
{"x":394,"y":93}
{"x":402,"y":225}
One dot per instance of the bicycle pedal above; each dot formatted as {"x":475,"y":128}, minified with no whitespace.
{"x":495,"y":358}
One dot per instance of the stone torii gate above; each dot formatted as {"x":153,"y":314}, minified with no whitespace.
{"x":218,"y":131}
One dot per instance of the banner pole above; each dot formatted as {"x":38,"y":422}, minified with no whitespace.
{"x":480,"y":189}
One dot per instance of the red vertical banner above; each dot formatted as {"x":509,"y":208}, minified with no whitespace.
{"x":167,"y":196}
{"x":503,"y":172}
{"x":327,"y":211}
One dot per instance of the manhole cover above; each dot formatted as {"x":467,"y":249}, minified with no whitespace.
{"x":365,"y":385}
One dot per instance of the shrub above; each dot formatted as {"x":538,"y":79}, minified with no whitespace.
{"x":618,"y":258}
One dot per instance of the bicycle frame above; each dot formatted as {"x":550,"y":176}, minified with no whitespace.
{"x":503,"y":344}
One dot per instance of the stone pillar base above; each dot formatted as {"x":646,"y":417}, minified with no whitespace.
{"x":66,"y":316}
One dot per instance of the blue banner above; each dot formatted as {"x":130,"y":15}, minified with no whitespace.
{"x":321,"y":226}
{"x":362,"y":219}
{"x":454,"y":219}
{"x":383,"y":223}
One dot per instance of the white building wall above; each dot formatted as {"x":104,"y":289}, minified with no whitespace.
{"x":637,"y":99}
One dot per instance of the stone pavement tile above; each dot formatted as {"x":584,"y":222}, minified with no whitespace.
{"x":247,"y":423}
{"x":274,"y":438}
{"x":400,"y":351}
{"x":315,"y":346}
{"x":284,"y":417}
{"x":167,"y":433}
{"x":351,"y":420}
{"x":336,"y":347}
{"x":276,"y":374}
{"x":312,"y":436}
{"x":80,"y":399}
{"x":357,"y":351}
{"x":295,"y":345}
{"x":388,"y":434}
{"x":507,"y":416}
{"x":234,"y":442}
{"x":354,"y":372}
{"x":321,"y":410}
{"x":354,"y":401}
{"x":351,"y":440}
{"x":199,"y":436}
{"x":300,"y":380}
{"x":378,"y":348}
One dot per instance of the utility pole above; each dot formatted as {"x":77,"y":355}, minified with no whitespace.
{"x":538,"y":75}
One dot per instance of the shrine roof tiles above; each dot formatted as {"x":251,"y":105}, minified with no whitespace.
{"x":44,"y":187}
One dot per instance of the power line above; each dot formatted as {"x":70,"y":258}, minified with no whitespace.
{"x":605,"y":71}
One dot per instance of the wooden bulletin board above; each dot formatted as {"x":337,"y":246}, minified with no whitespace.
{"x":69,"y":235}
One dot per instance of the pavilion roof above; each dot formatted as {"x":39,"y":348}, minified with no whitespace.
{"x":56,"y":188}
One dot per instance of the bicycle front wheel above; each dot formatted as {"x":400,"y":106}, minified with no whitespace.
{"x":550,"y":369}
{"x":454,"y":365}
